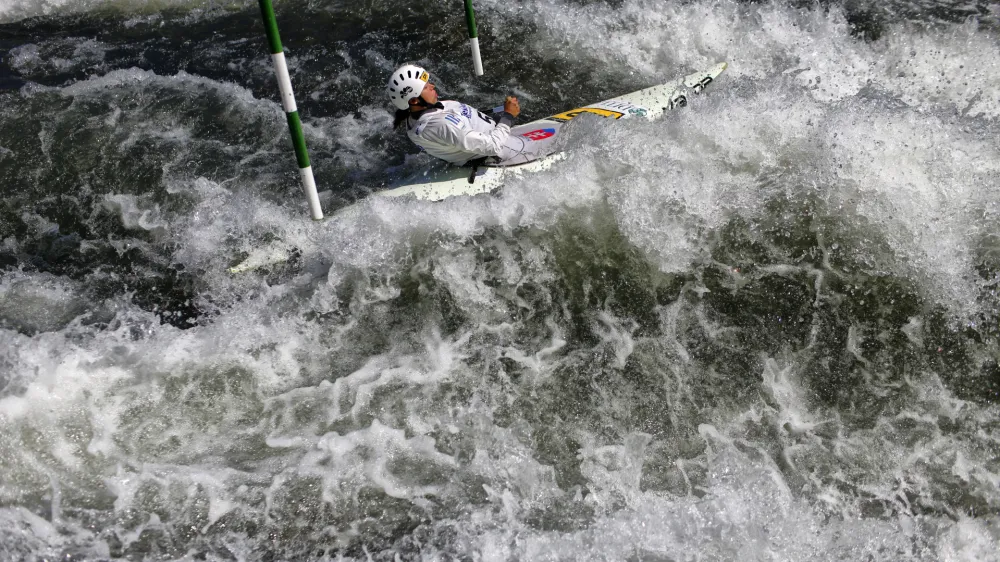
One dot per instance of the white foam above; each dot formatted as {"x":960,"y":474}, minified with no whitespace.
{"x":39,"y":302}
{"x":969,"y":540}
{"x":134,"y":216}
{"x":135,"y":77}
{"x":349,"y":137}
{"x":383,"y":457}
{"x":24,"y":535}
{"x":746,"y":513}
{"x":780,"y":382}
{"x":927,"y":67}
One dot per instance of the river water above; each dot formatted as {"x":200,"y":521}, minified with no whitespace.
{"x":764,"y":327}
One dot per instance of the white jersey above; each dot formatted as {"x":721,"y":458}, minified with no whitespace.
{"x":459,"y":133}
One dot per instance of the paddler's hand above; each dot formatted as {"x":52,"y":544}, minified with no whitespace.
{"x":511,"y":105}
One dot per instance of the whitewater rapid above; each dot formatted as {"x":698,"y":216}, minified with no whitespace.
{"x":763,"y":327}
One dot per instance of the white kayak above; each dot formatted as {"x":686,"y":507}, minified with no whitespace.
{"x":535,"y":141}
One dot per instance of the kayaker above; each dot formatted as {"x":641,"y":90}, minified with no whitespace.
{"x":447,"y":129}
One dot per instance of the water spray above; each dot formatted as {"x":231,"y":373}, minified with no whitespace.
{"x":291,"y":110}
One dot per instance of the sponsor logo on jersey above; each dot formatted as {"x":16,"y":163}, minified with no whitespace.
{"x":467,"y":111}
{"x":566,"y":116}
{"x":539,"y":134}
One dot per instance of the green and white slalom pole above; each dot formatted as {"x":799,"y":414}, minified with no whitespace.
{"x":470,"y":18}
{"x":291,"y":111}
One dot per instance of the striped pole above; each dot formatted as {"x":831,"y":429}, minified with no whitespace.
{"x":470,"y":18}
{"x":291,"y":111}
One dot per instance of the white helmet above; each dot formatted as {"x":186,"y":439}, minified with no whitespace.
{"x":405,"y":84}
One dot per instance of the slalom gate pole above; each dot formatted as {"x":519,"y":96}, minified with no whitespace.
{"x":470,"y":18}
{"x":291,"y":111}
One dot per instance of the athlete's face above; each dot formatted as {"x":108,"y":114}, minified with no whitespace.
{"x":429,"y":94}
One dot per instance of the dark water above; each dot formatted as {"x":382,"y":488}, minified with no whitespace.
{"x":762,"y":328}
